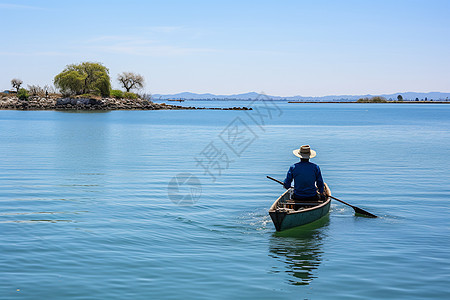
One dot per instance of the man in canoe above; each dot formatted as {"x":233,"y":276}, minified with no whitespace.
{"x":307,"y":177}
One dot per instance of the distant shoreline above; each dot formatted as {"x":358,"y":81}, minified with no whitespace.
{"x":295,"y":101}
{"x":388,"y":102}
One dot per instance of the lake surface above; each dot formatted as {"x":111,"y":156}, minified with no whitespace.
{"x":173,"y":204}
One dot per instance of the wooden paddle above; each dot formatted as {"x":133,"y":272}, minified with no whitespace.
{"x":355,"y":208}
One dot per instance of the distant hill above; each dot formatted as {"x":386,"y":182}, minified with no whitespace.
{"x":253,"y":96}
{"x":193,"y":96}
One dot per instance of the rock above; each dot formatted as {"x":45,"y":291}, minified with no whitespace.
{"x":78,"y":101}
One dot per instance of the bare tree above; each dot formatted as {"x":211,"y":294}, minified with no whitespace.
{"x":146,"y":96}
{"x":50,"y":89}
{"x":16,"y":83}
{"x":36,"y":90}
{"x":130,"y":80}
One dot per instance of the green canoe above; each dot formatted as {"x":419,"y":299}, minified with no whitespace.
{"x":284,"y":216}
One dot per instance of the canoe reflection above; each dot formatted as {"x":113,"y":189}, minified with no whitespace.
{"x":300,"y":250}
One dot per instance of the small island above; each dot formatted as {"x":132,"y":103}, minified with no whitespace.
{"x":86,"y":86}
{"x":57,"y":102}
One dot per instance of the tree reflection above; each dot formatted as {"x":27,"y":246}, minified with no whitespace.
{"x":300,"y":250}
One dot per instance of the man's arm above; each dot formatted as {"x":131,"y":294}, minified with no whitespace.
{"x":288,"y":180}
{"x":319,"y":181}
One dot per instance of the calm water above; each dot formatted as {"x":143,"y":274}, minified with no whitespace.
{"x":87,"y":212}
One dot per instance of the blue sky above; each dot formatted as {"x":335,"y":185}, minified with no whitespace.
{"x":285,"y":48}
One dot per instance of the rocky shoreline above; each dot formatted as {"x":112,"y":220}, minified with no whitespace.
{"x":55,"y":103}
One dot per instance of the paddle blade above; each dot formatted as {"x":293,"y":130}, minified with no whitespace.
{"x":362,"y":212}
{"x":358,"y":210}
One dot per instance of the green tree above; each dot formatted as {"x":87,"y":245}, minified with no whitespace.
{"x":118,"y":94}
{"x":70,"y":82}
{"x":376,"y":99}
{"x":129,"y":95}
{"x":400,"y":98}
{"x":84,"y":78}
{"x":363,"y":100}
{"x":22,"y":94}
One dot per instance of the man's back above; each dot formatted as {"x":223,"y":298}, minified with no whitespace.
{"x":305,"y":175}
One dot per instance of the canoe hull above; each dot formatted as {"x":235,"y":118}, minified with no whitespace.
{"x":288,"y":218}
{"x":283,"y":220}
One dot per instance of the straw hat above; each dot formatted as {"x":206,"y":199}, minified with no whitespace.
{"x":304,"y":152}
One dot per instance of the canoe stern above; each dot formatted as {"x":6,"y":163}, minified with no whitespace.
{"x":277,"y":218}
{"x":300,"y":218}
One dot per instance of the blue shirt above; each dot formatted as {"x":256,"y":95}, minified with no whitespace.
{"x":305,"y":176}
